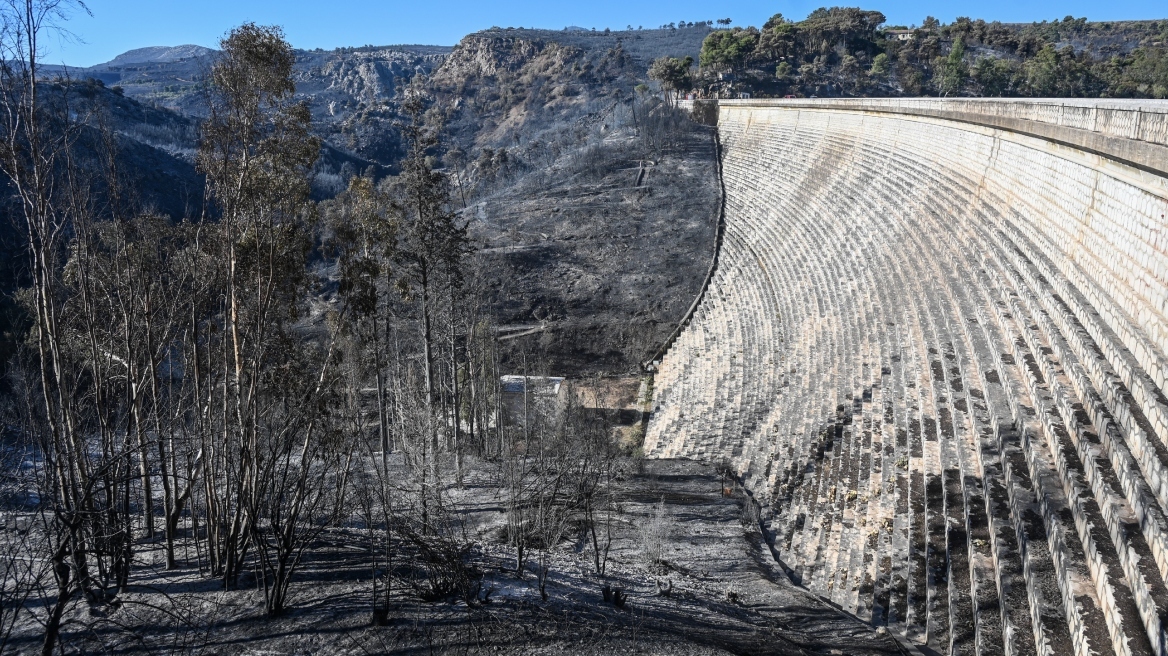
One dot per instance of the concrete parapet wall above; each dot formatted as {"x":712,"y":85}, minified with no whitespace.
{"x":935,"y":347}
{"x":1132,"y":131}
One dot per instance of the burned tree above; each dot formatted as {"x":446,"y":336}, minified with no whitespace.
{"x":257,"y":153}
{"x":432,"y":246}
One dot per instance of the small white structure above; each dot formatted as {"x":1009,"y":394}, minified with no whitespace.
{"x":525,"y":396}
{"x":536,"y":385}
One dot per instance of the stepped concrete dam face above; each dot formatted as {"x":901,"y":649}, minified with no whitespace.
{"x":935,"y":348}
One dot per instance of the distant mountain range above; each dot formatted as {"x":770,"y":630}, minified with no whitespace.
{"x":157,"y":54}
{"x":353,"y":92}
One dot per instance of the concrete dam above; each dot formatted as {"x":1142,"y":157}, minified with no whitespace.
{"x":935,"y":348}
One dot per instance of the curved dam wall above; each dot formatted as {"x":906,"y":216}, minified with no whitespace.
{"x":936,"y":347}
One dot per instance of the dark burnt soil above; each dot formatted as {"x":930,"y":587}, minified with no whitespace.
{"x":723,"y":593}
{"x":595,"y":271}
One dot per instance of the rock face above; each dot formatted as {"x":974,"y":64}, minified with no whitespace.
{"x":488,"y":55}
{"x":936,"y":346}
{"x":351,"y":92}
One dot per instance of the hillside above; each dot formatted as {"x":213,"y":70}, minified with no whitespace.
{"x":851,"y":52}
{"x":156,"y":160}
{"x":353,"y":91}
{"x":571,"y":179}
{"x":349,"y":90}
{"x":643,"y":46}
{"x":593,"y":204}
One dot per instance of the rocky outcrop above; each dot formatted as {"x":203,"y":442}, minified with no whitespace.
{"x":479,"y":56}
{"x":362,"y":76}
{"x":509,"y":85}
{"x":936,"y":346}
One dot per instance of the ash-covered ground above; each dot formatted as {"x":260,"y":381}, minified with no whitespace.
{"x":712,"y":589}
{"x":592,"y":263}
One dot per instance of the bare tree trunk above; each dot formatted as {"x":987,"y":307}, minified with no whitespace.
{"x":63,"y":573}
{"x":455,"y":400}
{"x":431,"y":428}
{"x":382,"y":419}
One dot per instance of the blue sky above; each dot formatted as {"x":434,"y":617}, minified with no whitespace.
{"x":120,"y":25}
